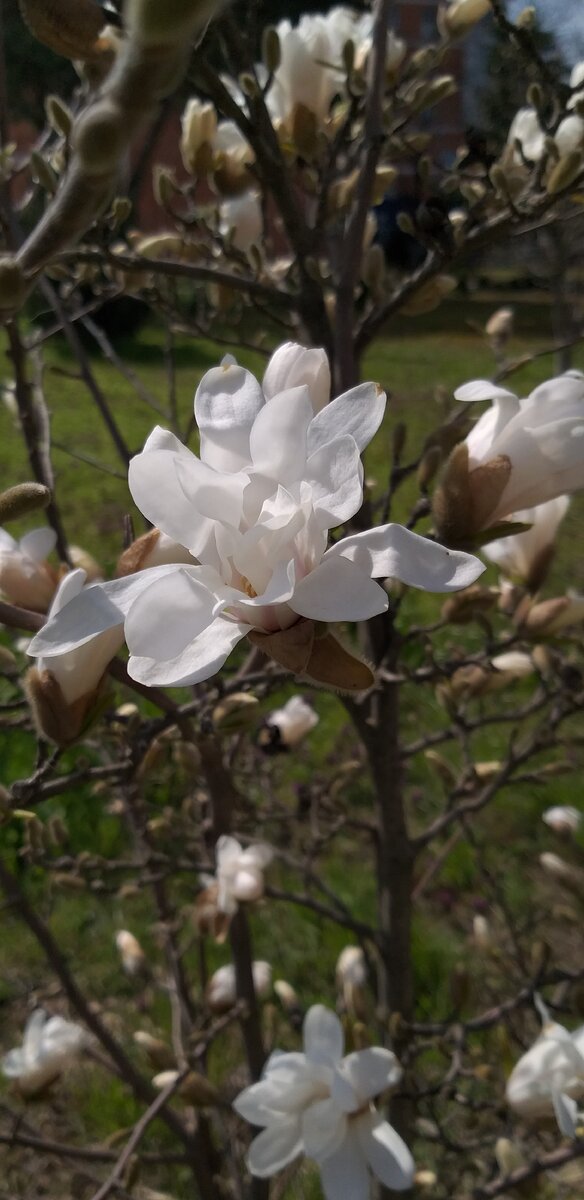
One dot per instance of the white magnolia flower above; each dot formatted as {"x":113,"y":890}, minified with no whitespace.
{"x":563,"y":818}
{"x":49,"y":1045}
{"x":78,"y":671}
{"x":221,"y":992}
{"x":311,"y":70}
{"x":319,"y":1104}
{"x":240,"y":873}
{"x":553,"y":1066}
{"x":535,"y":446}
{"x":254,"y":510}
{"x":526,"y":556}
{"x":515,"y":664}
{"x":291,"y":723}
{"x":25,"y":578}
{"x":526,"y":130}
{"x":241,"y":220}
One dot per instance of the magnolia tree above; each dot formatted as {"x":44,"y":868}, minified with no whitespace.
{"x":265,"y":561}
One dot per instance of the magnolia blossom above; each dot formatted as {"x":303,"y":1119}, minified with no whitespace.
{"x":527,"y":556}
{"x":25,"y":578}
{"x":49,"y":1045}
{"x":530,"y":450}
{"x":240,"y":873}
{"x":554,"y":1066}
{"x":527,"y":131}
{"x":311,"y":70}
{"x":221,"y":993}
{"x":241,"y":220}
{"x":272,"y":478}
{"x":62,"y":688}
{"x":319,"y":1104}
{"x":286,"y":727}
{"x":563,"y":818}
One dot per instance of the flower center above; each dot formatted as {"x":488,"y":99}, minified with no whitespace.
{"x":247,"y":587}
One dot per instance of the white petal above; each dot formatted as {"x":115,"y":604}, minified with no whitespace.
{"x":287,"y":1086}
{"x":227,"y":402}
{"x":566,"y":1111}
{"x":13,"y":1064}
{"x":337,"y":590}
{"x":168,"y":615}
{"x":248,"y":885}
{"x":335,"y":474}
{"x":393,"y":551}
{"x":324,"y":1129}
{"x":275,"y":1147}
{"x":98,"y":608}
{"x":483,"y":389}
{"x":201,"y":659}
{"x":386,"y":1152}
{"x":258,"y":856}
{"x":227,"y":851}
{"x":38,"y":543}
{"x":324,"y":1039}
{"x":292,"y":365}
{"x":156,"y":490}
{"x":358,"y":412}
{"x":371,"y":1071}
{"x":278,"y":437}
{"x":344,"y":1175}
{"x":212,"y":494}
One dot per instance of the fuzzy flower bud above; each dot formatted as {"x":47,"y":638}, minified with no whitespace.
{"x":221,"y":992}
{"x":199,"y":126}
{"x":563,"y":819}
{"x":459,"y":16}
{"x":131,"y":953}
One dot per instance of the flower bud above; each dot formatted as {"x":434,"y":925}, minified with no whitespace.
{"x":17,"y":501}
{"x":427,"y":297}
{"x":460,"y":15}
{"x":271,"y":49}
{"x":12,"y":284}
{"x":99,"y":137}
{"x":481,"y":933}
{"x":526,"y":18}
{"x":199,"y":126}
{"x":563,"y":871}
{"x":159,"y":1053}
{"x":235,"y":712}
{"x":59,"y":115}
{"x":565,"y":172}
{"x":131,"y":953}
{"x":508,"y":1156}
{"x":42,"y":172}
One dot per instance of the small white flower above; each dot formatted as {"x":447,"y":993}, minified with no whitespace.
{"x":240,"y":873}
{"x":319,"y":1103}
{"x":292,"y":722}
{"x":536,"y":445}
{"x":351,"y":977}
{"x":554,"y":1065}
{"x":49,"y":1045}
{"x":25,"y":578}
{"x":241,"y":220}
{"x":513,"y":663}
{"x":563,"y":818}
{"x":221,"y":993}
{"x":526,"y":556}
{"x":527,"y":131}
